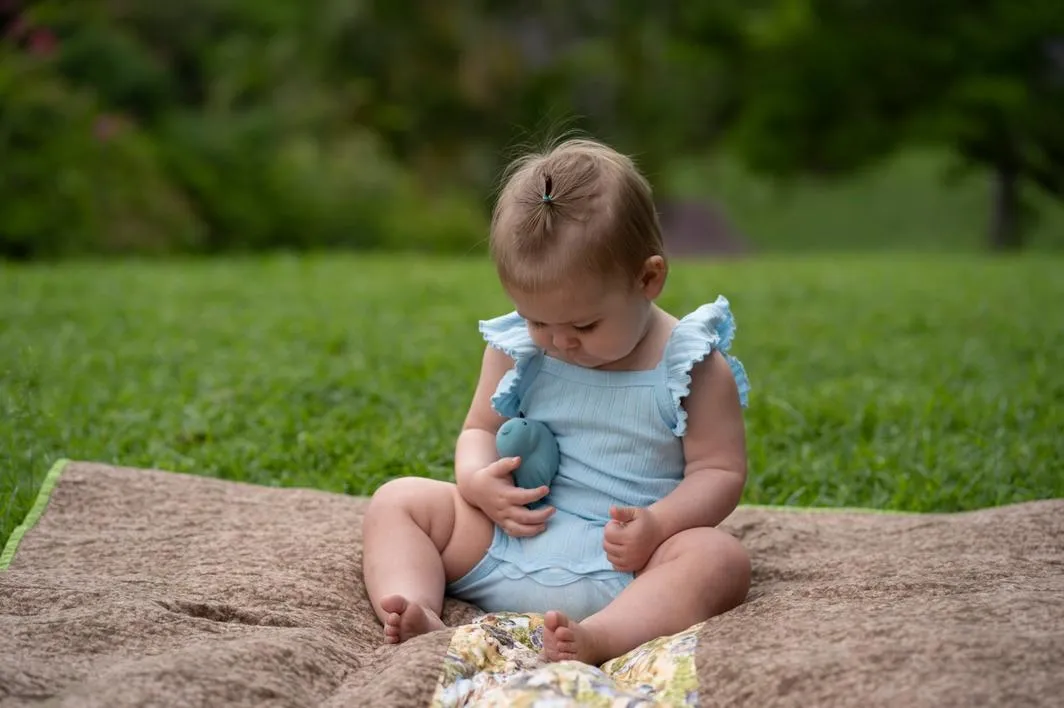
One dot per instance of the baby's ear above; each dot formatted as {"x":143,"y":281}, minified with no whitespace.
{"x":652,"y":279}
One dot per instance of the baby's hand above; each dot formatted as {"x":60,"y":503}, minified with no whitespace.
{"x":631,"y":537}
{"x":504,"y":503}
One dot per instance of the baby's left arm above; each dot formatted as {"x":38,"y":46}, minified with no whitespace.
{"x":714,"y":449}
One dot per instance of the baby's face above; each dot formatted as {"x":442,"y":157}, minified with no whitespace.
{"x":586,"y":323}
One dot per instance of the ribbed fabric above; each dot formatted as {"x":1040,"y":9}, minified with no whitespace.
{"x":619,"y":434}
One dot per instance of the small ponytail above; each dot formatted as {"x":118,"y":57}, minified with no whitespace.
{"x":548,"y":190}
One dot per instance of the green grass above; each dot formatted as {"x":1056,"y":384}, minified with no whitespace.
{"x":914,"y":383}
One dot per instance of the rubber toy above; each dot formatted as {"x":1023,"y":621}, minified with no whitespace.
{"x":537,"y":447}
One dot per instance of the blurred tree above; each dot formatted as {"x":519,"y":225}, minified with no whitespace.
{"x":279,"y":123}
{"x":75,"y":178}
{"x":654,"y":80}
{"x":830,"y":86}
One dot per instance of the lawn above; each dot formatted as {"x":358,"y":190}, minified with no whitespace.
{"x":901,"y":382}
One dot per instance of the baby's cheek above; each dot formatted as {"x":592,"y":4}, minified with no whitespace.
{"x":605,"y":345}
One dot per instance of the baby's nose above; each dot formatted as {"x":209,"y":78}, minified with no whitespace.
{"x":564,"y":341}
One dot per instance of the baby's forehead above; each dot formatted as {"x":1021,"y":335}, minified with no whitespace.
{"x":573,"y":305}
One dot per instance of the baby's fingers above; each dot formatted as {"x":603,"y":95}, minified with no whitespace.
{"x":503,"y":466}
{"x":525,"y":522}
{"x":617,"y":561}
{"x":519,"y":496}
{"x":517,"y":529}
{"x":614,"y":533}
{"x":531,"y":517}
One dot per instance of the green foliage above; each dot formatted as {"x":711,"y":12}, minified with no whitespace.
{"x":901,"y":383}
{"x":277,"y":124}
{"x":831,"y":86}
{"x":124,"y":74}
{"x":207,"y":130}
{"x":76,"y":179}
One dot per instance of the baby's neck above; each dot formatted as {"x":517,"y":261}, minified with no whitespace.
{"x":651,"y":347}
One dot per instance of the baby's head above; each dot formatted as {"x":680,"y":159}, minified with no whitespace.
{"x":577,"y":244}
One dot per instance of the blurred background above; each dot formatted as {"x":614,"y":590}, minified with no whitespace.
{"x":212,"y":126}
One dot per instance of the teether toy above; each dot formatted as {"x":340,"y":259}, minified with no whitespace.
{"x":535,"y":444}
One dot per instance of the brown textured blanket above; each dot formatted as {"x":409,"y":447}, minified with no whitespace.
{"x":138,"y":587}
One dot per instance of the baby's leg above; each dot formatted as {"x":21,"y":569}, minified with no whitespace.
{"x":418,"y":534}
{"x":696,"y":574}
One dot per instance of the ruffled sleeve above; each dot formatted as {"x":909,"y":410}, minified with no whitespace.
{"x":710,"y":327}
{"x":509,"y":334}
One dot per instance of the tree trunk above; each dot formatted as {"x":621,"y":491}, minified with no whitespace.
{"x":1005,"y":230}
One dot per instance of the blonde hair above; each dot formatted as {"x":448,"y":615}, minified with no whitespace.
{"x":577,"y":209}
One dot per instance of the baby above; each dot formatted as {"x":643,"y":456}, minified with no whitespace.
{"x":647,"y":411}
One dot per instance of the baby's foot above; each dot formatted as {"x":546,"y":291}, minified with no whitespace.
{"x":407,"y":619}
{"x":565,"y":640}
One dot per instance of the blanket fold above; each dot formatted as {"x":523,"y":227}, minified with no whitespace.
{"x":135,"y":587}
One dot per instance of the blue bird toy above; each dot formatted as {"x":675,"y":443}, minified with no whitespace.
{"x":535,"y":444}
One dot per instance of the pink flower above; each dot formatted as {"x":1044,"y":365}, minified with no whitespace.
{"x":42,"y":42}
{"x":106,"y":126}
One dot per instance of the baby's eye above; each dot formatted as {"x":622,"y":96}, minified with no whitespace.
{"x":587,"y":327}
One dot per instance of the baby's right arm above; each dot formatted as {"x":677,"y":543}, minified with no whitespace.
{"x":483,"y":479}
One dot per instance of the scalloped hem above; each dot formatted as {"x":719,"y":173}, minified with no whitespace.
{"x":716,"y":327}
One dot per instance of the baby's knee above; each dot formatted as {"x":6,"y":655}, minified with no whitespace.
{"x":406,"y":493}
{"x":735,"y":560}
{"x":719,"y":553}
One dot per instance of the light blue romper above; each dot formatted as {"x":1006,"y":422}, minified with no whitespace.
{"x":620,"y":437}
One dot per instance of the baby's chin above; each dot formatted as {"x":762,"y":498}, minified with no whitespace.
{"x":587,"y":361}
{"x":579,"y":360}
{"x":590,"y":362}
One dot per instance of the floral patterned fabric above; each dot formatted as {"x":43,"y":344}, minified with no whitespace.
{"x":494,"y":661}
